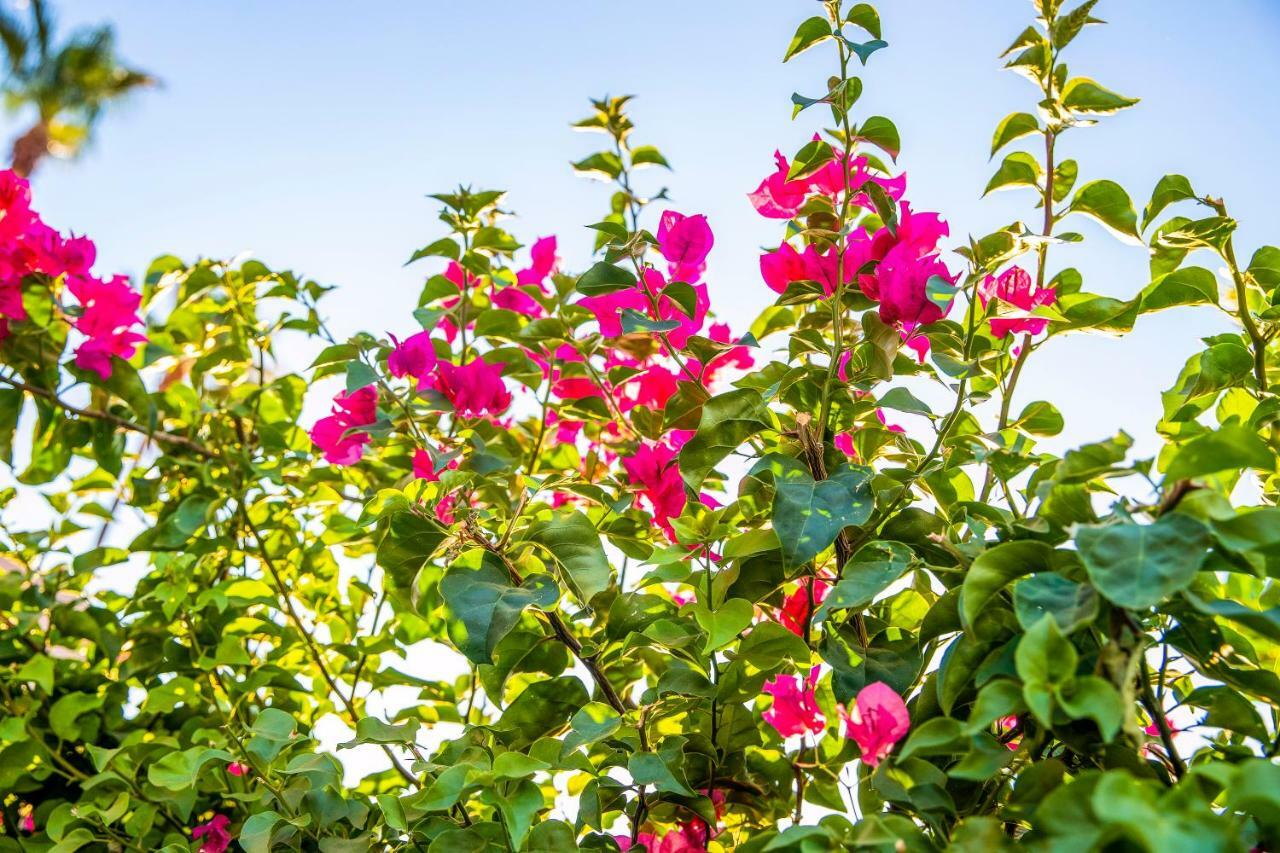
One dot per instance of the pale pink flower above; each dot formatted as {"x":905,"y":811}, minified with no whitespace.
{"x":776,"y":197}
{"x":879,"y":720}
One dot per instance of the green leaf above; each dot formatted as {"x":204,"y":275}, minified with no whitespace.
{"x":1108,"y":203}
{"x":604,"y":278}
{"x":1096,"y":699}
{"x":648,"y":768}
{"x":604,"y":164}
{"x":997,"y":567}
{"x":594,"y":722}
{"x":1040,"y":418}
{"x":1044,"y":658}
{"x":882,"y":133}
{"x":65,"y":713}
{"x":255,"y":835}
{"x":177,"y":771}
{"x":1018,"y":169}
{"x":518,"y":807}
{"x":373,"y":730}
{"x":407,"y":546}
{"x":1183,"y":286}
{"x":725,"y":623}
{"x":809,"y":159}
{"x":633,"y":321}
{"x":1072,"y":605}
{"x":1228,"y":448}
{"x":1084,"y":96}
{"x":359,"y":375}
{"x":1169,"y":189}
{"x":542,"y":708}
{"x":1137,"y":566}
{"x":863,"y":50}
{"x":902,"y":400}
{"x":442,"y":248}
{"x":38,"y":669}
{"x":574,"y":544}
{"x":1011,"y":127}
{"x":865,"y":15}
{"x":808,"y":514}
{"x":489,"y":605}
{"x":727,"y":421}
{"x":648,"y":155}
{"x":813,"y":31}
{"x":872,"y":569}
{"x":1265,"y":267}
{"x":939,"y":736}
{"x":1067,"y":27}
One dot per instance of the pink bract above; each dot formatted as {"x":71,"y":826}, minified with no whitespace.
{"x":878,"y":721}
{"x":795,"y":707}
{"x":475,"y":389}
{"x":1014,"y":287}
{"x":776,"y":197}
{"x":215,"y":834}
{"x":330,"y":434}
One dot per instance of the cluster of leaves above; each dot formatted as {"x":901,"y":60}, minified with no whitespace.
{"x":619,"y":569}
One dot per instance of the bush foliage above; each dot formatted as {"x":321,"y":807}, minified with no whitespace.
{"x":586,"y":569}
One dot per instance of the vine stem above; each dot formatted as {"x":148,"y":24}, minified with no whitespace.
{"x":1256,"y":339}
{"x":292,"y":613}
{"x":558,"y":627}
{"x":116,"y":420}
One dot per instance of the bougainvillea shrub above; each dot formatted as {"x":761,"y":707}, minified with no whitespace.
{"x":584,"y":567}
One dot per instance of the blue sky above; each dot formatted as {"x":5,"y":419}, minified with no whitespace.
{"x":309,"y":133}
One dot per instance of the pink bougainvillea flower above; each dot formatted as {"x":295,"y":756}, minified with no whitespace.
{"x":785,"y":265}
{"x":414,"y":356}
{"x":653,"y":472}
{"x":890,"y":427}
{"x":879,"y":720}
{"x":515,"y":299}
{"x":901,"y":283}
{"x":425,"y":468}
{"x":840,"y":175}
{"x":330,"y":434}
{"x":444,"y":508}
{"x":652,"y":388}
{"x":475,"y":389}
{"x":542,"y":263}
{"x":15,"y":201}
{"x":215,"y":834}
{"x":566,"y":431}
{"x":608,"y":308}
{"x":108,"y":311}
{"x":738,"y":357}
{"x":27,"y":818}
{"x":576,"y":388}
{"x":795,"y":707}
{"x":1004,"y":725}
{"x":781,"y":267}
{"x":776,"y":197}
{"x":797,"y":610}
{"x":235,"y":768}
{"x":669,"y":309}
{"x":685,"y":241}
{"x":1014,"y":288}
{"x":843,"y":442}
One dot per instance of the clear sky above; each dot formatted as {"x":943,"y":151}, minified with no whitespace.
{"x":309,"y":132}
